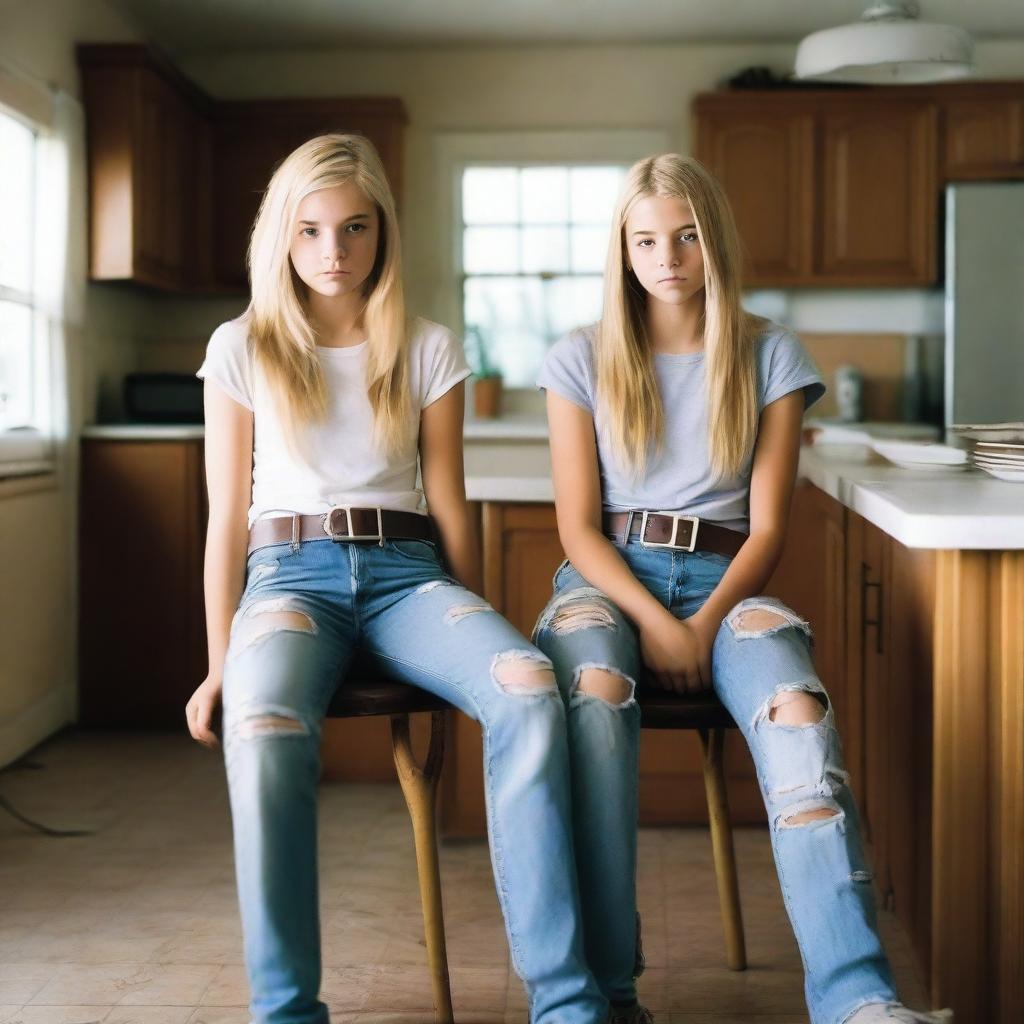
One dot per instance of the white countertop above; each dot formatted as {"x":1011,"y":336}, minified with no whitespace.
{"x":948,"y":508}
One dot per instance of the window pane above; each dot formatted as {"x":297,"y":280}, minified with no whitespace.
{"x":573,"y":302}
{"x":545,"y":192}
{"x":15,"y":365}
{"x":490,"y":250}
{"x":594,"y":191}
{"x":489,"y":195}
{"x":589,"y":249}
{"x":545,"y":250}
{"x":16,"y":170}
{"x":510,"y":316}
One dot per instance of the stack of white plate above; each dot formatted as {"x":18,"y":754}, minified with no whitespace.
{"x":1001,"y":459}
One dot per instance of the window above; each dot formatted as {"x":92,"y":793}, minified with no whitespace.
{"x":23,"y":331}
{"x":533,"y":245}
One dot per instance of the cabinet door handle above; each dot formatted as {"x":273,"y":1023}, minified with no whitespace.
{"x":865,"y":622}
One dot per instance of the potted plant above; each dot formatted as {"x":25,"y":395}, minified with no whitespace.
{"x":487,"y":380}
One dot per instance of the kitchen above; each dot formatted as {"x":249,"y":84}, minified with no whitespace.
{"x":904,"y":575}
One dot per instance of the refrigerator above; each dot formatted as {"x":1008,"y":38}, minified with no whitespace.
{"x":984,"y":303}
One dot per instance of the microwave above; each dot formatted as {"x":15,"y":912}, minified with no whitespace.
{"x":163,"y":398}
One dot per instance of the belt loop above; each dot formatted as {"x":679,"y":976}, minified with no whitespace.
{"x":296,"y":526}
{"x":380,"y":527}
{"x":628,"y":527}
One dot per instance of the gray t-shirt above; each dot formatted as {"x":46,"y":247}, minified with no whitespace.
{"x":680,"y":478}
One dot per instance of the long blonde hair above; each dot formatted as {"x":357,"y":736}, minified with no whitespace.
{"x":626,"y":382}
{"x":283,"y":338}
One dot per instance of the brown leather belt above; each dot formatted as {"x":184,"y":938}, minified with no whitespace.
{"x":342,"y":524}
{"x":672,"y":530}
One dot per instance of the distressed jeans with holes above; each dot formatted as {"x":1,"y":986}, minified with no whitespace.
{"x":820,"y":863}
{"x":303,"y":614}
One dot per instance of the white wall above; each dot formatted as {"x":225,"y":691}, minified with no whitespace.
{"x":38,"y":602}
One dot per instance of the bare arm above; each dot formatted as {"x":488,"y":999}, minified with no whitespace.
{"x":444,"y":485}
{"x":577,"y":482}
{"x":229,"y":485}
{"x":771,"y":490}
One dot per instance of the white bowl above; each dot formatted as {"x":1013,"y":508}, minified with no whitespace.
{"x":921,"y":455}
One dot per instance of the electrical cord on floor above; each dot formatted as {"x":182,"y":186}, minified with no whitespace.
{"x":38,"y":826}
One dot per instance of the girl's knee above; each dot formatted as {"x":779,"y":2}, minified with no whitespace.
{"x":605,"y":683}
{"x":757,"y":618}
{"x":575,"y":610}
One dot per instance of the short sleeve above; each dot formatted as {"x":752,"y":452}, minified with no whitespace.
{"x":445,"y":364}
{"x":786,"y":366}
{"x":227,"y":362}
{"x":567,"y":370}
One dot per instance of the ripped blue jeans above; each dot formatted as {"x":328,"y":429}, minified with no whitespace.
{"x":824,"y":878}
{"x":305,"y":610}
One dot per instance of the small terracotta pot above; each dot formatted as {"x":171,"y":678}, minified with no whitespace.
{"x":487,"y":397}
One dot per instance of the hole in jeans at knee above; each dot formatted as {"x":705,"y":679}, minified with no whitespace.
{"x":523,"y":673}
{"x":262,"y":723}
{"x":604,"y":683}
{"x":583,"y":608}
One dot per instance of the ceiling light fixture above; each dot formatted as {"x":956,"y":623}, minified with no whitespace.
{"x":887,"y":46}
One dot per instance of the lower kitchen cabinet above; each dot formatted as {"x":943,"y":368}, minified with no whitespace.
{"x":142,"y":635}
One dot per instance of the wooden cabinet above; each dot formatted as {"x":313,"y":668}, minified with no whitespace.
{"x":142,"y":635}
{"x":887,"y":736}
{"x":144,"y":142}
{"x":176,"y":178}
{"x":840,"y":188}
{"x":764,"y":159}
{"x":983,"y":133}
{"x":878,"y":195}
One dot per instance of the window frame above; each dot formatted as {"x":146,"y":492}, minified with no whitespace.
{"x":30,"y":449}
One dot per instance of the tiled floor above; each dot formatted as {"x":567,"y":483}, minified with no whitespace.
{"x":137,"y":923}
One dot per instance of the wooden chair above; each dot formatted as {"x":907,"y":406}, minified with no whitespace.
{"x":662,"y":709}
{"x":363,"y":695}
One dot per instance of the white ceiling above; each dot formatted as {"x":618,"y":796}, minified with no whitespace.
{"x":186,"y":27}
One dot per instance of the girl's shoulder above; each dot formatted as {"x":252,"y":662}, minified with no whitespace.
{"x":228,"y":361}
{"x":783,"y":364}
{"x":767,"y":334}
{"x":426,"y":335}
{"x":231,"y":339}
{"x":574,"y":349}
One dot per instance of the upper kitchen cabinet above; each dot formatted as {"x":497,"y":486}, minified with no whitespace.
{"x":148,"y":145}
{"x":765,"y":161}
{"x":176,"y":177}
{"x":829,"y":188}
{"x":252,"y":137}
{"x":983,"y":132}
{"x":877,"y":193}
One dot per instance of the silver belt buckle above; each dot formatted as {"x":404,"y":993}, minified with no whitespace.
{"x":352,"y":535}
{"x":671,"y":542}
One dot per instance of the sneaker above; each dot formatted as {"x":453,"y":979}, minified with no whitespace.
{"x":635,"y":1014}
{"x":886,"y":1013}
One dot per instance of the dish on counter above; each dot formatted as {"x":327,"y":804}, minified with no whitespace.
{"x":1011,"y":474}
{"x":921,"y":455}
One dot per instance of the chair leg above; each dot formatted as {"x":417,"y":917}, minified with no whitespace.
{"x":713,"y":746}
{"x":420,"y":789}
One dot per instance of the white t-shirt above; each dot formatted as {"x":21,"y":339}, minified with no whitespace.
{"x":344,"y":466}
